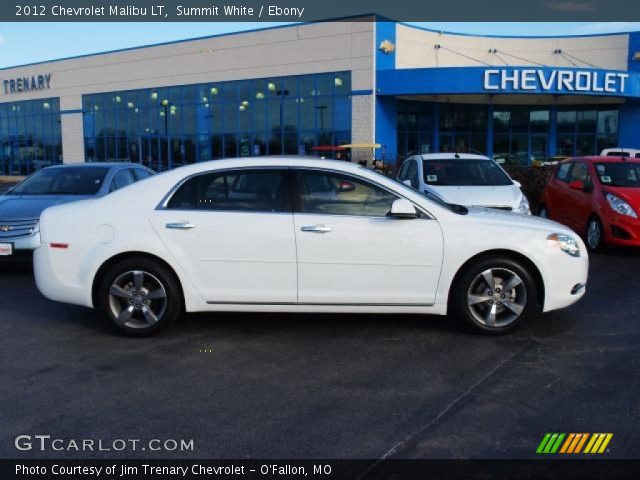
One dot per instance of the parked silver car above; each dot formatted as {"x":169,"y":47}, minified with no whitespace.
{"x":22,"y":204}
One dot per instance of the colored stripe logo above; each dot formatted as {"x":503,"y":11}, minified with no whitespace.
{"x":591,"y":443}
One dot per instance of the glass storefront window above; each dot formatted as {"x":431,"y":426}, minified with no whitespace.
{"x":587,"y":131}
{"x":172,"y":126}
{"x":30,"y":136}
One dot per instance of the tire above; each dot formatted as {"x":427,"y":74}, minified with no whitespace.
{"x":595,"y":235}
{"x":140,"y":296}
{"x":491,"y":310}
{"x":543,"y":211}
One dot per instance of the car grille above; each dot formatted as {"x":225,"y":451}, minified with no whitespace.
{"x":17,"y":228}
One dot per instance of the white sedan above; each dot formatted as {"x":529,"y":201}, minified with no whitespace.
{"x":464,"y":179}
{"x":300,"y":235}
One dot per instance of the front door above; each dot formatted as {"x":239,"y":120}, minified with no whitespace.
{"x":350,"y":252}
{"x":232,"y":233}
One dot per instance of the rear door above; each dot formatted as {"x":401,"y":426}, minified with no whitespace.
{"x":232,"y":233}
{"x":351,"y":252}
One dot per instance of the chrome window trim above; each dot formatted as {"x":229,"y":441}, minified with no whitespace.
{"x":162,"y":205}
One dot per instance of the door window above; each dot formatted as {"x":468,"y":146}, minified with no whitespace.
{"x":403,"y":171}
{"x":579,"y":173}
{"x":336,"y":194}
{"x":121,"y":179}
{"x":412,"y":174}
{"x":141,"y":173}
{"x":563,"y":172}
{"x":234,"y":190}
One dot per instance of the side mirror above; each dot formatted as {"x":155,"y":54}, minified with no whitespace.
{"x":407,"y":182}
{"x":576,"y":185}
{"x":402,"y":208}
{"x":517,"y":184}
{"x":346,"y":186}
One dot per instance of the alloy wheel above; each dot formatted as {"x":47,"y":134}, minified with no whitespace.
{"x":137,"y":299}
{"x":496,"y":297}
{"x":594,"y":234}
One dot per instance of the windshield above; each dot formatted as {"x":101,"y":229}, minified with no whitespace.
{"x":461,"y":172}
{"x":619,"y":174}
{"x":63,"y":181}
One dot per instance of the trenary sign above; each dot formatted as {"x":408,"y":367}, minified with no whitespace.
{"x":27,"y":84}
{"x":555,"y":80}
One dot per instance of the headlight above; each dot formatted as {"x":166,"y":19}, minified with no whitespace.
{"x":565,"y":243}
{"x":524,"y":205}
{"x":620,"y":206}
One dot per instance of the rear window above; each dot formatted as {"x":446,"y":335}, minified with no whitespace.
{"x":461,"y":172}
{"x":619,"y":154}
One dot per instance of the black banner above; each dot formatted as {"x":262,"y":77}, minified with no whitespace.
{"x":319,"y":469}
{"x":314,"y":10}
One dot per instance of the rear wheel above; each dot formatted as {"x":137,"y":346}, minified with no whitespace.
{"x":140,"y":296}
{"x":494,"y":295}
{"x":595,"y":235}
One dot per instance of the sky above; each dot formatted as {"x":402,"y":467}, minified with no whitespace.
{"x":23,"y":43}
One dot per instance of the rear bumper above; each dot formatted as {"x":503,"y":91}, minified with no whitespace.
{"x":58,"y":276}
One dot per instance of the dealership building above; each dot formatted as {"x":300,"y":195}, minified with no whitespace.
{"x":308,"y":89}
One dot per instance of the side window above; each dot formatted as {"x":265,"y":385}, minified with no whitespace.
{"x":238,"y":190}
{"x":336,"y":194}
{"x":563,"y":172}
{"x":412,"y":174}
{"x":404,"y":170}
{"x":121,"y":179}
{"x":579,"y":172}
{"x":141,"y":174}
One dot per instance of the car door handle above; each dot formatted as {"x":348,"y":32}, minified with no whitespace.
{"x":180,"y":225}
{"x":316,"y":228}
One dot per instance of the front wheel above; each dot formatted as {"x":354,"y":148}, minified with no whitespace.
{"x":595,"y":235}
{"x":140,"y":296}
{"x":494,"y":295}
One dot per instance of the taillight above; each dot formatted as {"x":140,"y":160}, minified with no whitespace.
{"x":59,"y":245}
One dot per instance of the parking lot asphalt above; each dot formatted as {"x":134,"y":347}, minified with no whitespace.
{"x":324,"y":386}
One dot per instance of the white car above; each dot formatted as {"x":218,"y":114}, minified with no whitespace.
{"x":464,"y":179}
{"x":186,"y":240}
{"x":620,"y":152}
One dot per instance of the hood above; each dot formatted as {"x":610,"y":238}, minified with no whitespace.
{"x":485,"y":196}
{"x":26,"y":207}
{"x":628,"y":194}
{"x":490,"y":216}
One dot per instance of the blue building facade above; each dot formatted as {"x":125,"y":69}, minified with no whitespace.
{"x":506,"y":102}
{"x":310,"y":89}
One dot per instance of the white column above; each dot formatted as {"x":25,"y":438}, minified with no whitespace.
{"x":72,"y":129}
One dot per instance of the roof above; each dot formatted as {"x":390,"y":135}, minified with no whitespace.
{"x":96,"y":164}
{"x":453,"y":156}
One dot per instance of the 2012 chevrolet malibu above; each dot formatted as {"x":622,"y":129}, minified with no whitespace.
{"x":300,"y":235}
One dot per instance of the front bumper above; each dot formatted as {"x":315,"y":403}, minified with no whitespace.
{"x":621,"y":230}
{"x":566,"y":278}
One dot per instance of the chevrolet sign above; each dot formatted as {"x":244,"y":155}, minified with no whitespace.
{"x":554,"y":80}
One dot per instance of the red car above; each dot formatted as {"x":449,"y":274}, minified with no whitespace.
{"x":598,"y":197}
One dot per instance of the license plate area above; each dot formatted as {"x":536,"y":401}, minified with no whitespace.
{"x":6,"y":249}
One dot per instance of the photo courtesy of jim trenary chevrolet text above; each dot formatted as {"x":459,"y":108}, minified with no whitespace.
{"x":328,"y":240}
